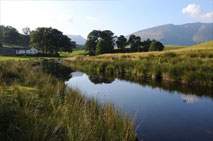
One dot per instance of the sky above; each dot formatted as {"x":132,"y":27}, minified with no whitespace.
{"x":123,"y":17}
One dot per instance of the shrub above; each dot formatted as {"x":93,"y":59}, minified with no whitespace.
{"x":156,"y":46}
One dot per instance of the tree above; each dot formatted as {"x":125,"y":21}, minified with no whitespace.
{"x":74,"y":45}
{"x":50,"y":40}
{"x":67,"y":44}
{"x":94,"y":37}
{"x":1,"y":44}
{"x":102,"y":47}
{"x":156,"y":46}
{"x":26,"y":30}
{"x":121,"y":42}
{"x":146,"y":45}
{"x":10,"y":35}
{"x":135,"y":43}
{"x":108,"y":36}
{"x":92,"y":40}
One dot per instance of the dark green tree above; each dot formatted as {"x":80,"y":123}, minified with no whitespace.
{"x":92,"y":40}
{"x":121,"y":42}
{"x":102,"y":46}
{"x":74,"y":45}
{"x":94,"y":37}
{"x":1,"y":44}
{"x":50,"y":40}
{"x":145,"y":45}
{"x":135,"y":43}
{"x":108,"y":36}
{"x":156,"y":46}
{"x":11,"y":35}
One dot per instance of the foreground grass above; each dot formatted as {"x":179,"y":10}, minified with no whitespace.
{"x":37,"y":106}
{"x":190,"y":65}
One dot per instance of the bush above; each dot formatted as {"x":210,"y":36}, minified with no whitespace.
{"x":156,"y":46}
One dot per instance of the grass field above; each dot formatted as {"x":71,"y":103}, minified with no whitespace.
{"x":170,"y":47}
{"x":190,"y":65}
{"x":74,"y":53}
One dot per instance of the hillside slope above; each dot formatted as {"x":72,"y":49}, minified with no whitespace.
{"x":186,"y":34}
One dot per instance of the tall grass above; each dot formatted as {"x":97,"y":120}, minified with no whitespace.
{"x":37,"y":106}
{"x":190,"y":66}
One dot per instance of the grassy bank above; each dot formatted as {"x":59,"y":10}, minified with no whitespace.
{"x":26,"y":58}
{"x":35,"y":105}
{"x":190,"y":66}
{"x":173,"y":47}
{"x":74,"y":53}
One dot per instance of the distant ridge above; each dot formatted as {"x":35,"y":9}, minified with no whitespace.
{"x":186,"y":34}
{"x":78,"y":39}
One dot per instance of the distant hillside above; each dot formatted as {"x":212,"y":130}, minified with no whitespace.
{"x":186,"y":34}
{"x":78,"y":39}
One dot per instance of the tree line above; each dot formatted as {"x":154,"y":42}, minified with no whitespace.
{"x":47,"y":40}
{"x":100,"y":42}
{"x":10,"y":35}
{"x":51,"y":41}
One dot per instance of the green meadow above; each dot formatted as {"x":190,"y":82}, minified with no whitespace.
{"x":170,"y":47}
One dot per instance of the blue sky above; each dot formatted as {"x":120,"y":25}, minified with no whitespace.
{"x":121,"y":16}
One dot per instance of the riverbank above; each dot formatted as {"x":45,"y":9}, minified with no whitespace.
{"x":37,"y":105}
{"x":189,"y":66}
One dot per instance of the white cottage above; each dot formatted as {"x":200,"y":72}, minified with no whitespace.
{"x":26,"y":51}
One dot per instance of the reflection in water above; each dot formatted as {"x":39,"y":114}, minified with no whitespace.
{"x":77,"y":74}
{"x":57,"y":69}
{"x":171,"y":87}
{"x":162,"y":107}
{"x":100,"y":80}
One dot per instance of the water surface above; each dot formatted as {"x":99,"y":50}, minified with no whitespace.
{"x":162,"y":114}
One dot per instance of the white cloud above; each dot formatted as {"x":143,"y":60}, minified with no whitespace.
{"x":196,"y":12}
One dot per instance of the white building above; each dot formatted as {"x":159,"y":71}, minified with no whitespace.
{"x":26,"y":51}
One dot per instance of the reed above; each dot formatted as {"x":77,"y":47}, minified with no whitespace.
{"x":35,"y":105}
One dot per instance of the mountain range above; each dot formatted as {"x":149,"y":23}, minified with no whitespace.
{"x":170,"y":34}
{"x":186,"y":34}
{"x":78,"y":39}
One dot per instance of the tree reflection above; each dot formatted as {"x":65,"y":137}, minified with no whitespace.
{"x":57,"y":69}
{"x":100,"y":80}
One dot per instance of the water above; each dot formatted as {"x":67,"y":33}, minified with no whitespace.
{"x":163,"y":114}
